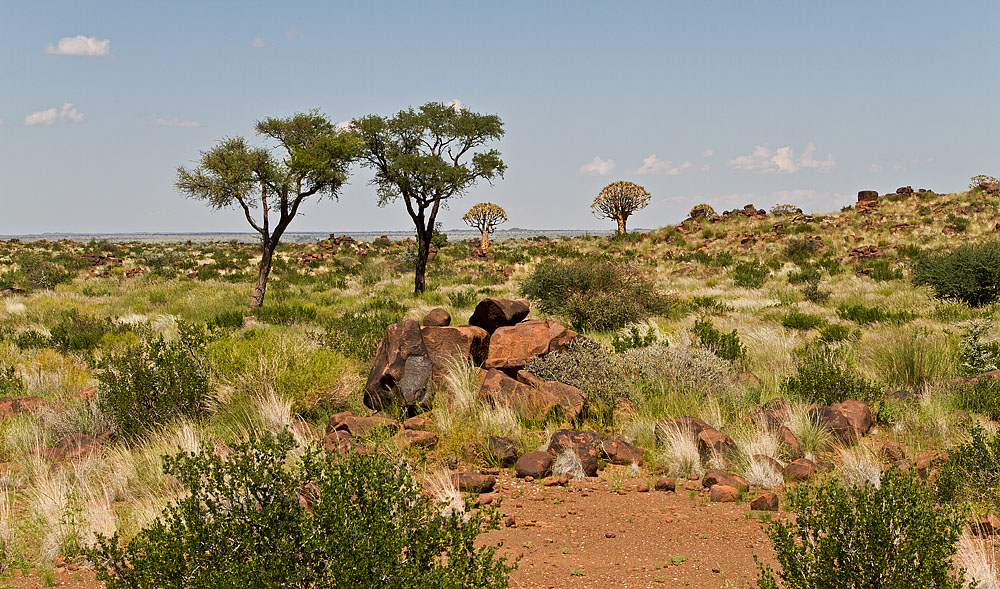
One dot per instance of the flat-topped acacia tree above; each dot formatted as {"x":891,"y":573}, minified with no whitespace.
{"x":427,"y":157}
{"x":618,"y":201}
{"x":485,"y":217}
{"x":312,"y":158}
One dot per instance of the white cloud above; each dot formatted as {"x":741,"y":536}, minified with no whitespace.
{"x":654,"y":165}
{"x":781,"y":160}
{"x":80,"y":45}
{"x":294,"y":35}
{"x":456,"y":104}
{"x":174,"y":122}
{"x":344,"y":125}
{"x":51,"y":116}
{"x":259,"y":42}
{"x":708,"y":153}
{"x":597,"y":167}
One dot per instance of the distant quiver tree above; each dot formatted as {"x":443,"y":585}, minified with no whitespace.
{"x":485,"y":216}
{"x":618,"y":201}
{"x":312,"y":158}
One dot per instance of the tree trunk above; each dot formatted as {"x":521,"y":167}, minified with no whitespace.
{"x":267,"y":254}
{"x":621,"y":225}
{"x":423,"y":252}
{"x":484,"y":243}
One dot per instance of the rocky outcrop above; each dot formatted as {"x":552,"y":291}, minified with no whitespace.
{"x":847,"y":421}
{"x":493,"y":313}
{"x":585,"y":444}
{"x":437,"y":317}
{"x":401,"y":370}
{"x":444,"y":344}
{"x":512,"y":347}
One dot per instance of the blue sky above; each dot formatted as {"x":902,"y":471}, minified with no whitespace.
{"x":719,"y":102}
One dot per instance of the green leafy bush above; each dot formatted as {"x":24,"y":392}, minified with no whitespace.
{"x":824,"y":379}
{"x":149,"y":384}
{"x":882,"y":270}
{"x":724,"y":345}
{"x":976,"y":356}
{"x":357,"y":334}
{"x":835,"y":332}
{"x":600,"y":373}
{"x":595,"y":293}
{"x":358,"y":521}
{"x":286,"y":313}
{"x":227,"y":320}
{"x":971,"y":472}
{"x":78,"y":333}
{"x":892,"y":536}
{"x":969,"y":273}
{"x":796,"y":319}
{"x":750,"y":274}
{"x":865,"y":315}
{"x":462,"y":299}
{"x":633,"y":339}
{"x":799,"y":249}
{"x":10,"y":383}
{"x":982,"y":395}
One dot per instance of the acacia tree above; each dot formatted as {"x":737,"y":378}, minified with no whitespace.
{"x":315,"y":158}
{"x":618,"y":201}
{"x":427,"y":157}
{"x":485,"y":216}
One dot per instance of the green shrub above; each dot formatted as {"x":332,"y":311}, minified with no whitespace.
{"x":462,"y":299}
{"x":359,"y":521}
{"x":969,"y":273}
{"x":835,"y":332}
{"x":603,"y":375}
{"x":958,"y":224}
{"x":812,"y":291}
{"x":824,"y":379}
{"x":39,"y":272}
{"x":750,"y":274}
{"x":286,"y":313}
{"x":865,"y":315}
{"x":724,"y":345}
{"x":975,"y":355}
{"x":633,"y":339}
{"x":971,"y":472}
{"x":807,"y":272}
{"x":796,"y":319}
{"x":31,"y":339}
{"x":882,"y":271}
{"x":10,"y":383}
{"x":154,"y":382}
{"x":981,"y":395}
{"x":594,"y":293}
{"x":799,"y":249}
{"x":227,"y":320}
{"x":892,"y":536}
{"x":78,"y":333}
{"x":357,"y":334}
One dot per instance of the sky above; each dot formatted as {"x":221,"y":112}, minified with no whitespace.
{"x":728,"y":103}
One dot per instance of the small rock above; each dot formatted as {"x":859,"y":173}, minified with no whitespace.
{"x":665,"y":484}
{"x":473,"y":482}
{"x":437,"y":317}
{"x":721,"y":477}
{"x":419,"y":438}
{"x":765,"y":502}
{"x":509,"y":521}
{"x":642,"y":487}
{"x":609,"y":534}
{"x":799,"y":470}
{"x":723,"y":494}
{"x":537,"y":464}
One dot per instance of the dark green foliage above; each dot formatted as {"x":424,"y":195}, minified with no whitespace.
{"x":356,"y":521}
{"x":227,"y":320}
{"x":980,"y":396}
{"x":799,"y":249}
{"x":357,"y":334}
{"x":633,"y":339}
{"x":805,"y":273}
{"x":78,"y":333}
{"x":724,"y":345}
{"x":38,"y":272}
{"x":971,"y":472}
{"x":865,"y":315}
{"x":969,"y":273}
{"x":834,"y":332}
{"x":796,"y":319}
{"x":909,"y":251}
{"x":976,"y":356}
{"x":154,"y":382}
{"x":462,"y":299}
{"x":709,"y":304}
{"x":595,"y":293}
{"x":957,"y":224}
{"x":813,"y":292}
{"x":882,"y":271}
{"x":891,"y":537}
{"x":31,"y":339}
{"x":439,"y":238}
{"x":824,"y":379}
{"x":750,"y":274}
{"x":286,"y":313}
{"x":10,"y":383}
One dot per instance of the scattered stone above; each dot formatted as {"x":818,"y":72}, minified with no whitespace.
{"x":723,"y":494}
{"x":75,"y":446}
{"x":609,"y":534}
{"x":494,"y":312}
{"x":437,"y":317}
{"x":559,"y":481}
{"x":665,"y":484}
{"x":720,"y":477}
{"x":892,"y":451}
{"x":848,"y":421}
{"x":485,"y":499}
{"x":11,"y":406}
{"x":357,"y":426}
{"x":765,"y":502}
{"x":528,"y":402}
{"x":473,"y":482}
{"x":537,"y":464}
{"x":570,"y":398}
{"x":867,"y":199}
{"x":424,"y":421}
{"x":713,"y":442}
{"x":618,"y":451}
{"x":585,"y":444}
{"x":642,"y":487}
{"x":789,"y":443}
{"x":799,"y":470}
{"x":509,"y":521}
{"x":419,"y":438}
{"x":768,"y":462}
{"x":500,"y":450}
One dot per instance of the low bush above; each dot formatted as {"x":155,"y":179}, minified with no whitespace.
{"x":286,"y":313}
{"x":971,"y":472}
{"x":796,"y":319}
{"x":883,"y":270}
{"x":154,"y":382}
{"x":359,"y":521}
{"x":633,"y":339}
{"x":823,"y":378}
{"x":357,"y":334}
{"x":969,"y":273}
{"x":78,"y":333}
{"x":911,"y":357}
{"x":890,"y":535}
{"x":835,"y":332}
{"x":799,"y":249}
{"x":750,"y":274}
{"x":982,"y":395}
{"x":976,"y":356}
{"x":595,"y":294}
{"x":227,"y":320}
{"x":681,"y":369}
{"x":865,"y":315}
{"x":10,"y":383}
{"x":724,"y":345}
{"x":606,"y":377}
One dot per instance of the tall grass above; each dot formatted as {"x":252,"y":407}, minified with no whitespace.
{"x":911,"y":357}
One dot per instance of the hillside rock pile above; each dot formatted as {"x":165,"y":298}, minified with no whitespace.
{"x":867,"y":200}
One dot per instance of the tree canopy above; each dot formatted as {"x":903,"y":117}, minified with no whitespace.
{"x":485,"y":216}
{"x":618,"y":201}
{"x":426,"y":157}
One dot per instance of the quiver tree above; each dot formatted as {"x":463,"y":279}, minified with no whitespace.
{"x":312,"y":158}
{"x":485,"y":216}
{"x":618,"y":201}
{"x":427,"y":157}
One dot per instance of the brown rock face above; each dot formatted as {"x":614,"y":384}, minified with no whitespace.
{"x":423,"y":422}
{"x":570,"y":398}
{"x":665,"y":484}
{"x":586,"y":445}
{"x":618,"y":451}
{"x":799,"y":470}
{"x":414,"y":437}
{"x":789,"y":443}
{"x":444,"y":344}
{"x":721,"y":477}
{"x":401,"y":370}
{"x":712,"y":441}
{"x":500,"y":451}
{"x":75,"y":446}
{"x":765,"y":502}
{"x":10,"y":406}
{"x":848,"y":421}
{"x":512,"y":347}
{"x":493,"y":312}
{"x":473,"y":482}
{"x":358,"y":426}
{"x":537,"y":464}
{"x":437,"y":317}
{"x":528,"y":402}
{"x":723,"y":494}
{"x":867,"y":199}
{"x":690,"y":425}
